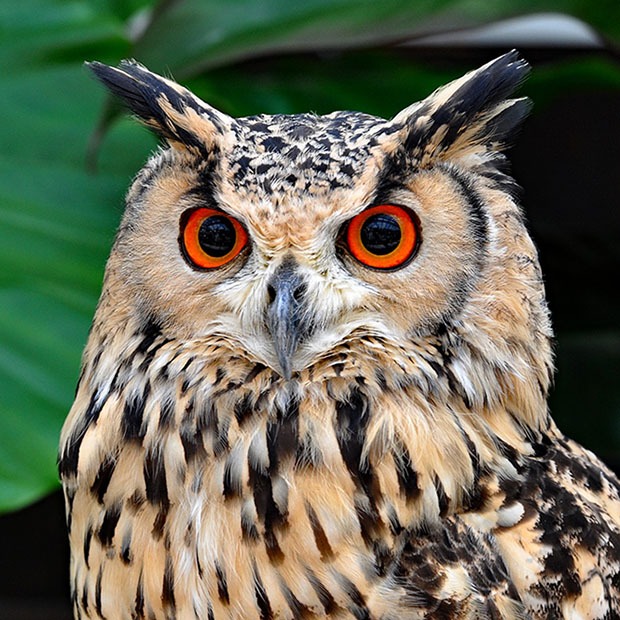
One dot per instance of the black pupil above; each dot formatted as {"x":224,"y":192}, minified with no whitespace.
{"x":380,"y":234}
{"x":217,"y":236}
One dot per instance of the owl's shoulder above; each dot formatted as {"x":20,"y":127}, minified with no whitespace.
{"x":543,"y":544}
{"x":557,"y":530}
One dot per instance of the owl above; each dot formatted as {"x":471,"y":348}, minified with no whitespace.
{"x":315,"y":384}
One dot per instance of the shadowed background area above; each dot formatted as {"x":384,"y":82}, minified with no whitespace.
{"x":67,"y":156}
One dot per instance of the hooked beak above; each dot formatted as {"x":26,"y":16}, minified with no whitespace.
{"x":286,"y":315}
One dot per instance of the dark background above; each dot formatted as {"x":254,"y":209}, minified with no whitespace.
{"x":567,"y":161}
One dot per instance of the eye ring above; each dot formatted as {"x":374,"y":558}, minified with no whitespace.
{"x":210,"y":238}
{"x":383,"y":237}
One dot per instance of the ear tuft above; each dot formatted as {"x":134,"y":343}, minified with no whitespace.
{"x":172,"y":111}
{"x":470,"y":115}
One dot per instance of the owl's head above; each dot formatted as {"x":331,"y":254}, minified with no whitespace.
{"x":303,"y":242}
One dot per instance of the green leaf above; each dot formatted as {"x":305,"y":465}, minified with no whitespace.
{"x":40,"y":337}
{"x":194,"y":35}
{"x":36,"y":32}
{"x":57,"y":223}
{"x":379,"y":82}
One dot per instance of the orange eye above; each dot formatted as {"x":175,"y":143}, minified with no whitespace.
{"x":383,"y":237}
{"x":210,"y":238}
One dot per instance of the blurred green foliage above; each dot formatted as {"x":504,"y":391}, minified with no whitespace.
{"x":57,"y":219}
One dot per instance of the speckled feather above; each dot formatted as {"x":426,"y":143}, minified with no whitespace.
{"x":407,"y":467}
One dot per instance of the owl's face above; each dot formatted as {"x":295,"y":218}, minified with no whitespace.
{"x":285,"y":238}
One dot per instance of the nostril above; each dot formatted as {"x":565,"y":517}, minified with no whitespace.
{"x":271,"y":293}
{"x":299,"y":292}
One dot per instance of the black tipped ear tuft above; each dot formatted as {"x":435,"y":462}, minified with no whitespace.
{"x":470,"y":114}
{"x":126,"y":87}
{"x":170,"y":110}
